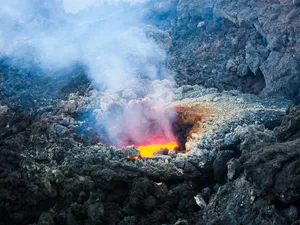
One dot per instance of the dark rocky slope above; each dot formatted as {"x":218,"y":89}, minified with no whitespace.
{"x":52,"y":173}
{"x":252,"y":46}
{"x":266,"y":192}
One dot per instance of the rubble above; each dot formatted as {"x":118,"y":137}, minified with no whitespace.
{"x":236,"y":66}
{"x":70,"y":179}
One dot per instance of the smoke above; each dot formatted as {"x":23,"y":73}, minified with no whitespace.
{"x":75,"y":6}
{"x":107,"y":36}
{"x":139,"y":122}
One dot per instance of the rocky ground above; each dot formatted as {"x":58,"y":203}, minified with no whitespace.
{"x":54,"y":172}
{"x":251,"y":46}
{"x":236,"y":67}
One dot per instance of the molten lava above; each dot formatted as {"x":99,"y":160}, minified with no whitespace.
{"x":146,"y":126}
{"x":151,"y":149}
{"x":155,"y":143}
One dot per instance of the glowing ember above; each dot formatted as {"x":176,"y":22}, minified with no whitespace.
{"x":134,"y":157}
{"x":161,"y":141}
{"x":146,"y":126}
{"x":150,"y":150}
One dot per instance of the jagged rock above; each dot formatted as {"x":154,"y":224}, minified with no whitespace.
{"x":289,"y":129}
{"x":243,"y":70}
{"x":57,"y":130}
{"x":237,"y":203}
{"x":231,"y":65}
{"x":281,"y":69}
{"x":234,"y":168}
{"x":219,"y":165}
{"x":161,"y":37}
{"x":282,"y":179}
{"x":292,"y":213}
{"x":131,"y":152}
{"x":95,"y":212}
{"x":281,"y":73}
{"x":52,"y":173}
{"x":46,"y":219}
{"x":181,"y":222}
{"x":274,"y":166}
{"x":3,"y":110}
{"x":296,"y":2}
{"x":200,"y":201}
{"x":253,"y":58}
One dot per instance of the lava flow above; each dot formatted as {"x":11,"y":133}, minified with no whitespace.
{"x":150,"y":150}
{"x":148,"y":128}
{"x":155,"y":143}
{"x":156,"y":130}
{"x":153,"y":146}
{"x":139,"y":123}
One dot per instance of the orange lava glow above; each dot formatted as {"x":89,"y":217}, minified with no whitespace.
{"x":150,"y":150}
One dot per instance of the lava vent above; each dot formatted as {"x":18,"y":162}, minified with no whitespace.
{"x":153,"y":129}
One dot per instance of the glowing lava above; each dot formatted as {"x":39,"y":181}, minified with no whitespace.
{"x":162,"y":142}
{"x":151,"y":149}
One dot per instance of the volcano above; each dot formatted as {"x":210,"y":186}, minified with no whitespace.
{"x":149,"y":112}
{"x":154,"y":130}
{"x":155,"y":145}
{"x":148,"y":127}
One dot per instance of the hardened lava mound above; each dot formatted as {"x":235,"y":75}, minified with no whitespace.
{"x":92,"y":134}
{"x":61,"y":173}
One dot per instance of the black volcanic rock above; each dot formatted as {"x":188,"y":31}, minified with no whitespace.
{"x":281,"y":68}
{"x":50,"y":174}
{"x":55,"y":170}
{"x":275,"y":168}
{"x":260,"y":37}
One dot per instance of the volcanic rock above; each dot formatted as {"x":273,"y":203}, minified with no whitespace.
{"x":238,"y":159}
{"x":238,"y":198}
{"x":289,"y":130}
{"x":57,"y":163}
{"x":265,"y":17}
{"x":259,"y":34}
{"x":296,"y":2}
{"x":234,"y":168}
{"x":292,"y":213}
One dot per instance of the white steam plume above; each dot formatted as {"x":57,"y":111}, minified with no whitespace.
{"x":107,"y":36}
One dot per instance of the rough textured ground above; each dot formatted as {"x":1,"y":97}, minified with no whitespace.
{"x":242,"y":166}
{"x":53,"y":174}
{"x":252,"y":46}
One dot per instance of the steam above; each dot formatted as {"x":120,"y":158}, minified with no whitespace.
{"x":75,"y":6}
{"x":105,"y":35}
{"x":138,"y":123}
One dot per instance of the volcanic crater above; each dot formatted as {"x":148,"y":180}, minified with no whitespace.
{"x":164,"y":112}
{"x":163,"y":129}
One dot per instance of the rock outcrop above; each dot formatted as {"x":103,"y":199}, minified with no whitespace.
{"x":55,"y":171}
{"x":252,"y":46}
{"x":236,"y":60}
